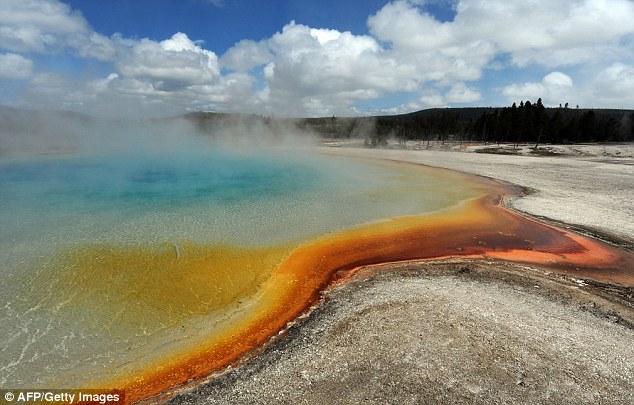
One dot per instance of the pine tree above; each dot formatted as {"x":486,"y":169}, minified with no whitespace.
{"x":541,"y":120}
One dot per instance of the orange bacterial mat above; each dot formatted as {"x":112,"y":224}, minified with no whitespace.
{"x":478,"y":228}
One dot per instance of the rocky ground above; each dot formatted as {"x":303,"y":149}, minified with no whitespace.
{"x":465,"y":331}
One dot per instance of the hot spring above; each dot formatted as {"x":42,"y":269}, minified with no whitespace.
{"x":144,"y":268}
{"x":120,"y":263}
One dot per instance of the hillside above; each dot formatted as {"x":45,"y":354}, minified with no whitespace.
{"x":526,"y":123}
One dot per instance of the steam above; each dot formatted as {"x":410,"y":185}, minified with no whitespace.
{"x":249,"y":131}
{"x":25,"y":133}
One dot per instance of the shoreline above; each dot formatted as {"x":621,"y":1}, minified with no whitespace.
{"x":620,"y":312}
{"x":590,"y":192}
{"x":323,"y":359}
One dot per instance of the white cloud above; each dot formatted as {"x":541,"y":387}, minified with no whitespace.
{"x":555,"y":88}
{"x":557,"y":80}
{"x":552,"y":33}
{"x":318,"y":70}
{"x":612,"y":87}
{"x":405,"y":26}
{"x":246,"y":55}
{"x":169,"y":65}
{"x":304,"y":70}
{"x":545,"y":32}
{"x":461,"y":93}
{"x":28,"y":25}
{"x":13,"y":66}
{"x":457,"y":93}
{"x":430,"y":99}
{"x":438,"y":51}
{"x":48,"y":26}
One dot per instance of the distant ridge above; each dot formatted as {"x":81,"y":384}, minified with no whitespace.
{"x":528,"y":122}
{"x":468,"y":113}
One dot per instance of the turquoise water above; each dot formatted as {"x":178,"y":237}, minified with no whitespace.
{"x":217,"y":196}
{"x":208,"y":196}
{"x":69,"y":199}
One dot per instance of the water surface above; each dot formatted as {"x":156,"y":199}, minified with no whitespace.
{"x":118,"y":263}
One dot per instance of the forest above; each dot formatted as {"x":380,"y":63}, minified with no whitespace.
{"x":524,"y":123}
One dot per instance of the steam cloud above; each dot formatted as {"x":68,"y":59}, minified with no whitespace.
{"x":33,"y":133}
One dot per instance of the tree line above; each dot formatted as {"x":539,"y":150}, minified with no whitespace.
{"x":528,"y":122}
{"x":524,"y":123}
{"x":532,"y":122}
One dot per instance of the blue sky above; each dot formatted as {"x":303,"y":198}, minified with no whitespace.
{"x":222,"y":26}
{"x":313,"y":58}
